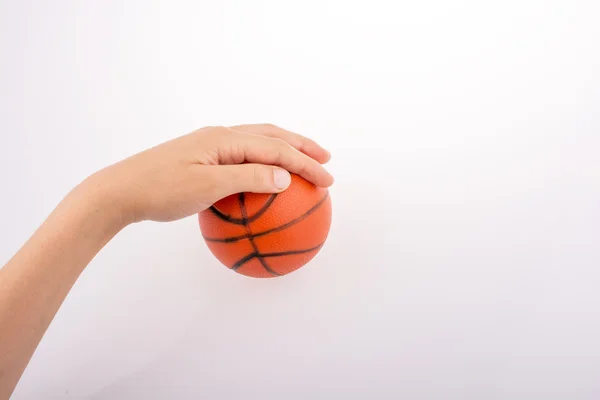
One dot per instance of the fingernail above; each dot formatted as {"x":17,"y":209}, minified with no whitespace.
{"x":282,"y":178}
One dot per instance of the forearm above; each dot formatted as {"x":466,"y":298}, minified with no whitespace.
{"x":37,"y":279}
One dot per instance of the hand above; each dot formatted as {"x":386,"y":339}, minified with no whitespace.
{"x":187,"y":175}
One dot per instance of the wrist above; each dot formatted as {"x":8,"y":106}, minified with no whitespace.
{"x":98,"y":199}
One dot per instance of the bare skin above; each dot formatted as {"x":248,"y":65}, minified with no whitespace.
{"x":174,"y":180}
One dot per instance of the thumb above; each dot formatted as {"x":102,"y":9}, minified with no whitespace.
{"x":255,"y":178}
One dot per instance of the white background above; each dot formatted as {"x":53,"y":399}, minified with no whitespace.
{"x":463,"y":260}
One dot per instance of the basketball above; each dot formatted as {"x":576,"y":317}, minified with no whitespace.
{"x":268,"y":235}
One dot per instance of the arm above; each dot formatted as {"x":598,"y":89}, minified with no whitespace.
{"x":171,"y":181}
{"x":37,"y":279}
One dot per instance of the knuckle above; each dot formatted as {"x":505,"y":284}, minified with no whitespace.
{"x":269,"y":126}
{"x":222,"y":130}
{"x":283,"y":148}
{"x":272,"y":130}
{"x":280,"y":143}
{"x":222,"y":133}
{"x":259,"y":177}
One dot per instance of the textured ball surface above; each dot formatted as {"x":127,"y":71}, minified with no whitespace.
{"x":268,"y":235}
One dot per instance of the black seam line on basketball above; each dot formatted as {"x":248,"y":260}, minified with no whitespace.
{"x":243,"y":261}
{"x":242,"y":201}
{"x":250,"y":256}
{"x":290,"y":252}
{"x":241,"y":221}
{"x":276,"y":229}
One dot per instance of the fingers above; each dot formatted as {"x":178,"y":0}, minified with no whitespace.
{"x":255,"y":178}
{"x":273,"y":151}
{"x":301,"y":143}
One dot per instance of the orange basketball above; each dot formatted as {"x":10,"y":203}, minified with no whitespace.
{"x":268,"y":235}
